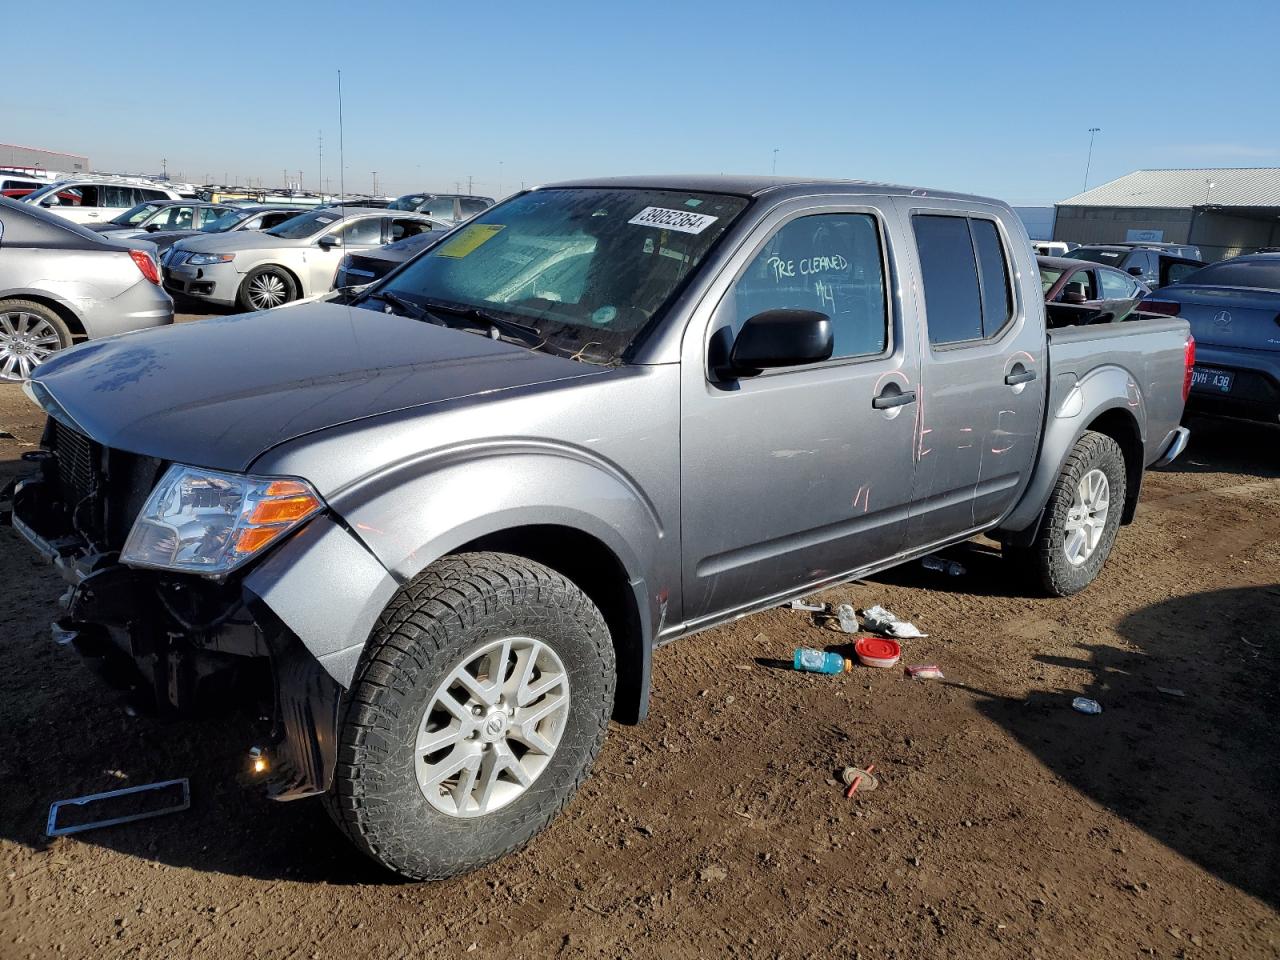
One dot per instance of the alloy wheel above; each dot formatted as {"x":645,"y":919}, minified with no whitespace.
{"x":267,"y":290}
{"x":1087,"y":517}
{"x":26,"y":340}
{"x":491,"y":727}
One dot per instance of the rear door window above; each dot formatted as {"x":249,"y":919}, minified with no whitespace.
{"x":832,"y":263}
{"x":967,"y":291}
{"x":368,"y":230}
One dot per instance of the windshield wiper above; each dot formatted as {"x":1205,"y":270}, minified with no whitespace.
{"x":404,"y":305}
{"x":485,"y":318}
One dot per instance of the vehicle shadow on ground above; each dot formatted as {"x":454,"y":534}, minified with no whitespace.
{"x":987,"y":574}
{"x":1222,"y":445}
{"x":1198,"y":773}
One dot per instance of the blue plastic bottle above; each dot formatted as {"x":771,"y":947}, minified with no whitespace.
{"x":819,"y":661}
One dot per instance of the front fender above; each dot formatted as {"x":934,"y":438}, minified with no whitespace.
{"x":423,"y":508}
{"x":1074,"y":404}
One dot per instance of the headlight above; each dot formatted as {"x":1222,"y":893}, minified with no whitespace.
{"x":203,"y":259}
{"x":208,"y":522}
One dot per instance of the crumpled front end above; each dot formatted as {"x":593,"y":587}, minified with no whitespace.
{"x":171,"y":643}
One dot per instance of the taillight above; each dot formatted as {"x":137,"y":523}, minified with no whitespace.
{"x":146,"y":265}
{"x":1189,"y":359}
{"x":1168,"y":308}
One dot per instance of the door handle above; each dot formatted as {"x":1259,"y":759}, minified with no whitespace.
{"x":1022,"y":376}
{"x":888,"y":400}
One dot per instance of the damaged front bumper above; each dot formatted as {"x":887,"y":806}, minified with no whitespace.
{"x":177,"y":644}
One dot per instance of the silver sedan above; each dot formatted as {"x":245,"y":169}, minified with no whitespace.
{"x":298,"y":258}
{"x":60,"y":284}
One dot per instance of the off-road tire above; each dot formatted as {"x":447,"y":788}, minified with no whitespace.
{"x":1046,"y":562}
{"x":287,"y":281}
{"x":456,"y":606}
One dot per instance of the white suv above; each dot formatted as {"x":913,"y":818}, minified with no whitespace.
{"x":97,"y":199}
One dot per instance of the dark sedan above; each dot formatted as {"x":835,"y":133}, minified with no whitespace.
{"x":357,"y":269}
{"x":1077,"y":293}
{"x":1234,"y":310}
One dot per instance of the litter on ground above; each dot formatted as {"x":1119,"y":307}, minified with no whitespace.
{"x":1085,"y":705}
{"x":879,"y":620}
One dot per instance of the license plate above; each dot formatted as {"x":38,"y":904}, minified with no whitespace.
{"x":1207,"y":378}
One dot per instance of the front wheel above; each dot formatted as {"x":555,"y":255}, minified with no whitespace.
{"x":1081,"y":518}
{"x":477,"y":709}
{"x":266,"y":288}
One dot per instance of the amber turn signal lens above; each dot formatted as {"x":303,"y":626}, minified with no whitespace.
{"x":255,"y":538}
{"x":285,"y":488}
{"x":284,"y":509}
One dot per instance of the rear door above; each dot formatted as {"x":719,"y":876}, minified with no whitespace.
{"x":981,"y":392}
{"x":793,"y":477}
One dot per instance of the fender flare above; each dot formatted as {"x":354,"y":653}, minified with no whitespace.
{"x":1074,"y":406}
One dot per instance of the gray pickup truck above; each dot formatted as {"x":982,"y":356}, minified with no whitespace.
{"x":455,"y":512}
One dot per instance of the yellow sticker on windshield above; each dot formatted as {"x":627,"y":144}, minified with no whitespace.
{"x":469,"y":238}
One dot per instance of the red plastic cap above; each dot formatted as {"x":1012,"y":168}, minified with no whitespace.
{"x":878,"y":648}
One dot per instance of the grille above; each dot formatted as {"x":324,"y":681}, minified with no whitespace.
{"x":78,"y":464}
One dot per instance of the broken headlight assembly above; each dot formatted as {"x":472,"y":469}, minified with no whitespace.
{"x":208,"y":522}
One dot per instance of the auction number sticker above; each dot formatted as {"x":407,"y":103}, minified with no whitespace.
{"x":469,"y":238}
{"x":682,"y":221}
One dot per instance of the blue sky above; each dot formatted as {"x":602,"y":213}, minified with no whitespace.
{"x":990,"y":97}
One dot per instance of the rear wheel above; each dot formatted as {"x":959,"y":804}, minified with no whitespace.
{"x":30,"y":333}
{"x":1081,"y":519}
{"x":476,"y":711}
{"x":267,"y":288}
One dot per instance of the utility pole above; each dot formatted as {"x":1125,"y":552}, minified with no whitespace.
{"x":164,"y":165}
{"x":469,"y":190}
{"x":1093,"y":131}
{"x":375,"y":183}
{"x":320,"y":175}
{"x":498,"y":195}
{"x":775,"y":161}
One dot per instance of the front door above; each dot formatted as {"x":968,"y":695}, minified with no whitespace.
{"x":355,"y":236}
{"x":796,"y":475}
{"x":982,"y":390}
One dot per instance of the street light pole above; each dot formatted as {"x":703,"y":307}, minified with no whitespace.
{"x":775,"y":161}
{"x":1093,"y":131}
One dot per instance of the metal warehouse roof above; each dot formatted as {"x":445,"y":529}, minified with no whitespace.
{"x":1232,"y":187}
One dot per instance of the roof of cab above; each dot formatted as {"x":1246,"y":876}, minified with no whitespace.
{"x":753,"y":186}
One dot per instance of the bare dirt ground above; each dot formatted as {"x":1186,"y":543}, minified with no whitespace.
{"x":1006,"y":825}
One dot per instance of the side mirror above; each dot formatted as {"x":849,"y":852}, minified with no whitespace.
{"x":1135,"y":271}
{"x":1074,"y":293}
{"x":328,"y":241}
{"x":151,"y":227}
{"x":780,"y":338}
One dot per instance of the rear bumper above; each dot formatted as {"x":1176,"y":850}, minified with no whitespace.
{"x":1173,"y":447}
{"x":1255,"y":391}
{"x":142,"y":306}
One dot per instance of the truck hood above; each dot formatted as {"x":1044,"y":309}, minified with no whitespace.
{"x":219,"y":392}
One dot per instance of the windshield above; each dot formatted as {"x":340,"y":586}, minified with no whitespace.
{"x":225,"y":222}
{"x":135,"y":215}
{"x":305,"y":224}
{"x":589,"y":267}
{"x":1260,"y":274}
{"x":1111,"y":257}
{"x":1048,"y":277}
